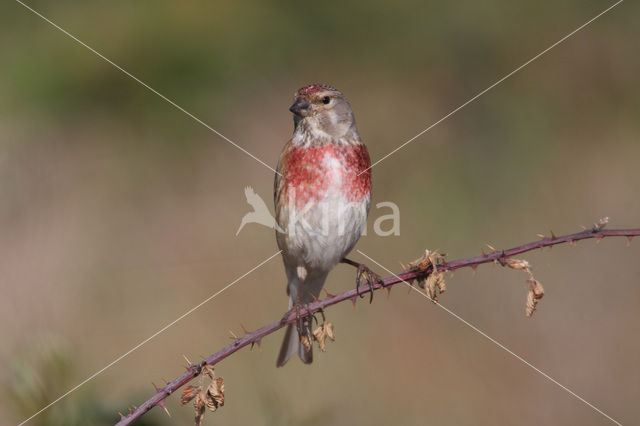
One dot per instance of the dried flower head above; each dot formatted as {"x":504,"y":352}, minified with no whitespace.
{"x":328,"y":328}
{"x":208,"y":371}
{"x":199,"y":406}
{"x":600,"y":224}
{"x":434,"y":283}
{"x":306,"y":341}
{"x":215,"y":394}
{"x":210,"y":397}
{"x":321,"y":333}
{"x":189,"y":393}
{"x":536,"y":291}
{"x":518,"y":264}
{"x":320,"y":336}
{"x":429,"y":258}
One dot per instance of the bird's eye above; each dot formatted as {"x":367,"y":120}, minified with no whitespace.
{"x":326,"y":100}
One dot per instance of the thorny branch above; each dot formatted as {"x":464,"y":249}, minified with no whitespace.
{"x":255,"y":337}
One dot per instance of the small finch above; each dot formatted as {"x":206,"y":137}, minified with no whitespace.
{"x":322,"y":195}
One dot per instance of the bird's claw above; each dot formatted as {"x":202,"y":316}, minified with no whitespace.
{"x":321,"y":312}
{"x":370,"y":278}
{"x":303,"y":323}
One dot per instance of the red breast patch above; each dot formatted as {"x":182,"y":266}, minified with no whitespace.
{"x":308,"y":172}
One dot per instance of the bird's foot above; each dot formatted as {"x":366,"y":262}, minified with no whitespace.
{"x":364,"y":276}
{"x":303,"y":323}
{"x":368,"y":277}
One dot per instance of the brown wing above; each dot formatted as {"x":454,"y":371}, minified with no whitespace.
{"x":279,"y":181}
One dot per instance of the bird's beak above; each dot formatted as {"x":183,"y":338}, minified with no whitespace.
{"x":300,"y":107}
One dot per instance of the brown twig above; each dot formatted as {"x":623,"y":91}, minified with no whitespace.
{"x":255,"y":337}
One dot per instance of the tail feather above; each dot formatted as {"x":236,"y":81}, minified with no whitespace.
{"x":292,"y":345}
{"x":310,"y":290}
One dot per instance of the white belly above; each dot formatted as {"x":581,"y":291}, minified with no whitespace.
{"x":323,"y":234}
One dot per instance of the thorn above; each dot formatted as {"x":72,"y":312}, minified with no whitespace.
{"x":315,"y":299}
{"x":244,"y":329}
{"x":541,"y":236}
{"x":164,"y":380}
{"x":584,"y":228}
{"x":452,"y":272}
{"x":404,"y":268}
{"x":328,"y":294}
{"x":258,"y":343}
{"x":629,"y":240}
{"x":353,"y":301}
{"x":121,"y":415}
{"x":156,"y":388}
{"x":599,"y":239}
{"x":553,"y":236}
{"x":164,"y":407}
{"x":187,"y":359}
{"x":474,"y":268}
{"x":388,"y":288}
{"x":490,"y":247}
{"x":483,"y":253}
{"x":130,"y":410}
{"x":233,"y":336}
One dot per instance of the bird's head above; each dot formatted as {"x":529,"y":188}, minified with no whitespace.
{"x":324,"y":110}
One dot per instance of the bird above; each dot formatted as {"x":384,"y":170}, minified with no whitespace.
{"x":260,"y":213}
{"x":322,"y":195}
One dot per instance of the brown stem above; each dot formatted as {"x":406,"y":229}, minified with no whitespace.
{"x":255,"y":337}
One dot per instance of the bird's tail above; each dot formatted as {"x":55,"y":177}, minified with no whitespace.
{"x":310,"y":291}
{"x":292,"y":345}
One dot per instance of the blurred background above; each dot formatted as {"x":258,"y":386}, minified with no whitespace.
{"x":118,"y":213}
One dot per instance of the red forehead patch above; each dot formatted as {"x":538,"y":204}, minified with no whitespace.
{"x":312,"y":88}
